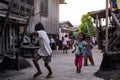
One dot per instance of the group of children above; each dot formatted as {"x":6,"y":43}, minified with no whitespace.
{"x":83,"y":49}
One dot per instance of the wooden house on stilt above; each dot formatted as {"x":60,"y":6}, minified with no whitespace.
{"x":20,"y":16}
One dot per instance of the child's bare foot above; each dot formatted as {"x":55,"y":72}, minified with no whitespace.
{"x":37,"y":74}
{"x":49,"y":75}
{"x":79,"y":70}
{"x":85,"y":64}
{"x":76,"y":69}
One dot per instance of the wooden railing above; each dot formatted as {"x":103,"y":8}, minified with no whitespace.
{"x":19,"y":8}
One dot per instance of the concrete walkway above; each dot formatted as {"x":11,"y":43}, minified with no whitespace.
{"x":62,"y":66}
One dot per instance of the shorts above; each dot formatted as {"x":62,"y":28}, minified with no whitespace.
{"x":46,"y":59}
{"x":65,"y":47}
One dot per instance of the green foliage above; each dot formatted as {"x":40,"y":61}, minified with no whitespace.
{"x":86,"y":20}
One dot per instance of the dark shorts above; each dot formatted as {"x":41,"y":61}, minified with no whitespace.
{"x":46,"y":59}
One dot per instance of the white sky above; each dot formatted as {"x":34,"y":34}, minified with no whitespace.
{"x":74,"y":9}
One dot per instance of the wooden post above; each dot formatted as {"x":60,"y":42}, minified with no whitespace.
{"x":7,"y":17}
{"x":106,"y":34}
{"x":2,"y":33}
{"x":96,"y":22}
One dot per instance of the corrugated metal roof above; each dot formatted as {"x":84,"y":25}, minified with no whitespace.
{"x":65,"y":24}
{"x":101,"y":13}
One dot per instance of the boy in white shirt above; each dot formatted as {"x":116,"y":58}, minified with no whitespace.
{"x":43,"y":52}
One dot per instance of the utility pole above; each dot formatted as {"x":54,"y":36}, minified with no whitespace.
{"x":106,"y":34}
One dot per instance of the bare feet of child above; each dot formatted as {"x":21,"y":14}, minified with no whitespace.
{"x":49,"y":75}
{"x":79,"y":70}
{"x":37,"y":74}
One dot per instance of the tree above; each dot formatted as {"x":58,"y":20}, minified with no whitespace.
{"x":86,"y":25}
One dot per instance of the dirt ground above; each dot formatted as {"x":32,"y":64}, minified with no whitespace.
{"x":62,"y":66}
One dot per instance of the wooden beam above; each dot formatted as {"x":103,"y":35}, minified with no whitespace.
{"x":25,"y":5}
{"x":20,"y":3}
{"x":106,"y":29}
{"x":13,"y":16}
{"x":15,"y":9}
{"x":116,"y":21}
{"x":7,"y":17}
{"x":3,"y":6}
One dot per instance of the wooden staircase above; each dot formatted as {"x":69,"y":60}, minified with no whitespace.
{"x":17,"y":11}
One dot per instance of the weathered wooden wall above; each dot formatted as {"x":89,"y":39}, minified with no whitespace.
{"x":51,"y":21}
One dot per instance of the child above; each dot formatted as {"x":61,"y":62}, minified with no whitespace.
{"x":43,"y":52}
{"x":65,"y":44}
{"x":88,"y":52}
{"x":79,"y":51}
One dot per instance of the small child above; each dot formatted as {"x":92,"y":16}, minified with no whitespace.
{"x":79,"y":51}
{"x":88,"y":52}
{"x":65,"y":44}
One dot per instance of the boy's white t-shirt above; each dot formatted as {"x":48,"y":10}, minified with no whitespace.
{"x":44,"y":43}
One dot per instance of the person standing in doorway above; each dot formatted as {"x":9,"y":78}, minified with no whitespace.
{"x":43,"y":52}
{"x":79,"y":51}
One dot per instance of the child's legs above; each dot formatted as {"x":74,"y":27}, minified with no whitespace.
{"x":76,"y":61}
{"x":47,"y":60}
{"x":80,"y":61}
{"x":85,"y":60}
{"x":35,"y":61}
{"x":91,"y":59}
{"x":48,"y":68}
{"x":64,"y":50}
